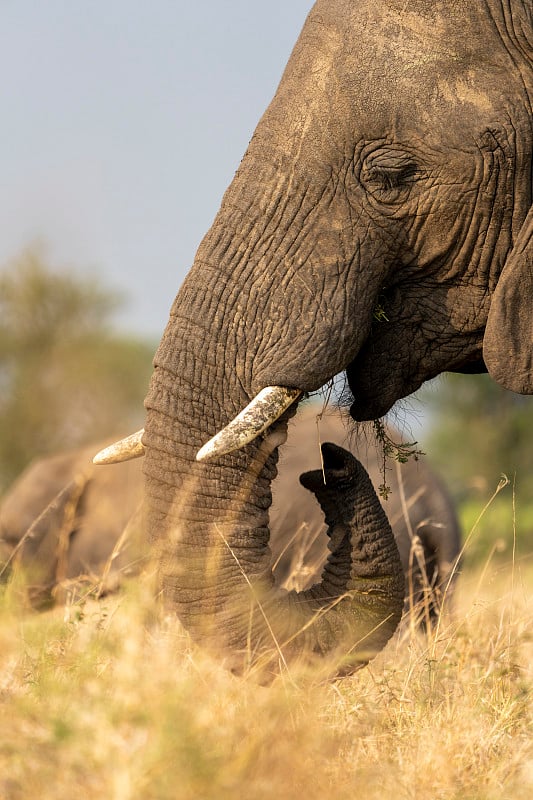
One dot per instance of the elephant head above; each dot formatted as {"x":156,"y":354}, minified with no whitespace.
{"x":380,"y":223}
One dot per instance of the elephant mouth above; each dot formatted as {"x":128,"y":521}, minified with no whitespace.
{"x":477,"y":367}
{"x":377,"y":380}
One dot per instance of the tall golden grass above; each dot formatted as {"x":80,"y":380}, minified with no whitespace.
{"x":110,"y":699}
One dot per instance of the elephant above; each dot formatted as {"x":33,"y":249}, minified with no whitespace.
{"x":63,"y":520}
{"x":379,"y":225}
{"x":91,"y":526}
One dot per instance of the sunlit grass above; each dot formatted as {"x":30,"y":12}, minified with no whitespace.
{"x":110,"y":699}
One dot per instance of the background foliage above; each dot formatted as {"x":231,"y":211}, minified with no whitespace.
{"x":65,"y":377}
{"x":481,"y":434}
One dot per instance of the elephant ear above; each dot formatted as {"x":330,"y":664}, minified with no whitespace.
{"x":508,"y":341}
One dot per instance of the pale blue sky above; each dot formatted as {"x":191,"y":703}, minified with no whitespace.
{"x":122,"y":124}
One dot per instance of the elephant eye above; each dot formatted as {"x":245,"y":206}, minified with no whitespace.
{"x":388,"y":178}
{"x":393,"y":178}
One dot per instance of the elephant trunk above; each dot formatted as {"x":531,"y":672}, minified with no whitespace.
{"x":265,"y":304}
{"x":209,"y":522}
{"x":357,"y":606}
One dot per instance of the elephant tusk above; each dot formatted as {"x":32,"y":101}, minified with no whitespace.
{"x":259,"y":414}
{"x":124,"y":450}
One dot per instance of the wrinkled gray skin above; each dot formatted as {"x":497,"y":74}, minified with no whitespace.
{"x":392,"y":170}
{"x":92,"y":506}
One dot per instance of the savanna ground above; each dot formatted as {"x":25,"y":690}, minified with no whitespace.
{"x":109,"y":699}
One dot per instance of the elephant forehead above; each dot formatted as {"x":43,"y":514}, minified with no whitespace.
{"x":378,"y":66}
{"x":409,"y":36}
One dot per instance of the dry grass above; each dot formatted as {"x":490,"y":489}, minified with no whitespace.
{"x":108,"y":700}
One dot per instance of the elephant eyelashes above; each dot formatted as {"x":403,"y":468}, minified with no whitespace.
{"x":387,"y":181}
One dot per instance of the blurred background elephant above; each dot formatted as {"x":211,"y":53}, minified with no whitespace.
{"x":63,"y":518}
{"x":66,"y":519}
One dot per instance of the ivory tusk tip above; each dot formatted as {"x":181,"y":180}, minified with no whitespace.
{"x":205,"y":452}
{"x":124,"y":450}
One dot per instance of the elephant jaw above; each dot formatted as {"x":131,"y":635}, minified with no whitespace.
{"x":259,"y":415}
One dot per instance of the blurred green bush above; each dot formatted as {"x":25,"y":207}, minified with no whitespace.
{"x":66,"y":378}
